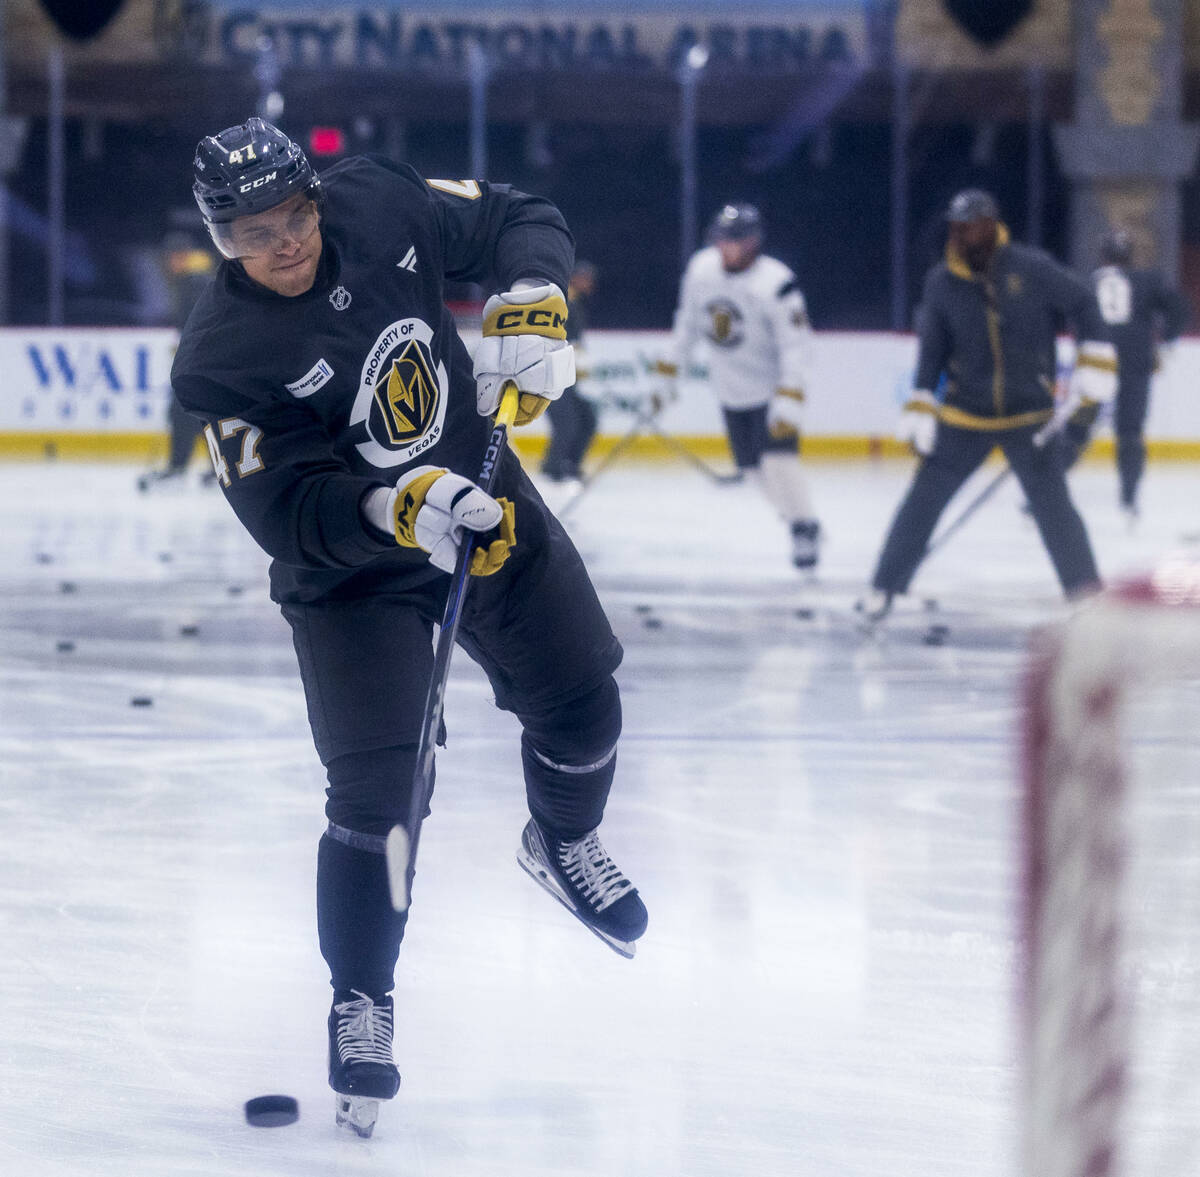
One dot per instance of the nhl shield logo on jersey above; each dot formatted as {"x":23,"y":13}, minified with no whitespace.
{"x":401,"y":399}
{"x":724,"y":323}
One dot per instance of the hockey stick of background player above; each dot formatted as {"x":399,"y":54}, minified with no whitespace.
{"x":402,"y":840}
{"x":1052,"y":428}
{"x":645,"y":422}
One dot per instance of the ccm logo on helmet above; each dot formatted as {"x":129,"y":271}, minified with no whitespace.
{"x":258,"y":183}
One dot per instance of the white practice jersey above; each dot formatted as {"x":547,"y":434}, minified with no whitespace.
{"x":754,"y":323}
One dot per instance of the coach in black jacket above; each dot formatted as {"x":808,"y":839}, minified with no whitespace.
{"x":988,"y":320}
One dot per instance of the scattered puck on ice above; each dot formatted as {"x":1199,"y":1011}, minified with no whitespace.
{"x":65,"y":647}
{"x":44,"y":558}
{"x":165,"y":557}
{"x":141,"y":701}
{"x":234,"y":589}
{"x":188,"y":631}
{"x":272,"y":1111}
{"x":652,"y":622}
{"x":66,"y":586}
{"x":930,"y":604}
{"x":643,"y":608}
{"x":936,"y":635}
{"x":804,"y":614}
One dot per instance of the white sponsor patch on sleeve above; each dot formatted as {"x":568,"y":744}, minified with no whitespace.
{"x":318,"y":375}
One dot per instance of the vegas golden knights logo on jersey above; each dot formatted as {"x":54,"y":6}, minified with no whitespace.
{"x":407,"y":395}
{"x":724,"y":323}
{"x":402,"y":393}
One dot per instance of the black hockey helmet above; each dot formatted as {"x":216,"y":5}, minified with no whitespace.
{"x":736,"y":222}
{"x":248,"y":169}
{"x":972,"y":204}
{"x":1117,"y":248}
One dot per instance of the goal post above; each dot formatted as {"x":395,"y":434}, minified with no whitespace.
{"x":1111,"y":747}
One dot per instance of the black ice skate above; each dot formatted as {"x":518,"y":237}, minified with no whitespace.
{"x":805,"y":537}
{"x":361,"y":1069}
{"x":582,"y":877}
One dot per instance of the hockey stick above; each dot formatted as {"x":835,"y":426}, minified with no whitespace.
{"x":646,"y":423}
{"x":1052,"y":428}
{"x":402,"y":840}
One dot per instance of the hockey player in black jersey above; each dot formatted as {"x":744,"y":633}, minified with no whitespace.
{"x":345,"y":420}
{"x":989,"y":315}
{"x":1143,"y":314}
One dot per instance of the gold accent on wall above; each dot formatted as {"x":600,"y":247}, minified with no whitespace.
{"x":1130,"y":84}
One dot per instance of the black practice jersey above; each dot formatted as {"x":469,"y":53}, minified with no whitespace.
{"x":993,"y":334}
{"x":1138,"y":305}
{"x":310,"y":402}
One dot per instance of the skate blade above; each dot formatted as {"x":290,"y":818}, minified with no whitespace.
{"x":357,"y":1113}
{"x":544,"y":879}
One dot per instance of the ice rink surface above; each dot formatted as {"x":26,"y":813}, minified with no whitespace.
{"x":823,"y":828}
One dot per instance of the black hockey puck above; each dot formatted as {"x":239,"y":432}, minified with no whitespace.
{"x":188,"y":631}
{"x":936,"y":635}
{"x":805,"y":614}
{"x":652,"y":622}
{"x":65,"y":647}
{"x":930,"y":604}
{"x":235,"y":590}
{"x":643,"y":609}
{"x":66,"y":586}
{"x":141,"y":701}
{"x":272,"y":1111}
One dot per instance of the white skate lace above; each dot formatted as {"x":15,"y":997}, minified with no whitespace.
{"x":364,"y":1032}
{"x":587,"y":864}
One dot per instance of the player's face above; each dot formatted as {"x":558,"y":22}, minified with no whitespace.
{"x":737,"y":253}
{"x":974,"y":241}
{"x":280,"y":248}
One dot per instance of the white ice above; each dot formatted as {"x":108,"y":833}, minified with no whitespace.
{"x":823,"y":828}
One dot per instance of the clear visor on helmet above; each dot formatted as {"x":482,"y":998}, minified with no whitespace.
{"x":278,"y":229}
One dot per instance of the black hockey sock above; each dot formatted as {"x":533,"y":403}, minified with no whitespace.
{"x":359,"y":931}
{"x":570,"y":756}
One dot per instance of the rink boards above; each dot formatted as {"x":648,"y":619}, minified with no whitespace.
{"x":101,"y":392}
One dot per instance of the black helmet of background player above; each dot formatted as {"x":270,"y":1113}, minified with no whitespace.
{"x":1117,"y":248}
{"x":245,"y":170}
{"x":736,"y":222}
{"x":737,"y":232}
{"x":974,"y":218}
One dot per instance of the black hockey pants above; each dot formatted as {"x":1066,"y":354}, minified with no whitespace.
{"x":956,"y":455}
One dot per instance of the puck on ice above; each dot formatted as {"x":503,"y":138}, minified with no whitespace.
{"x":652,"y":622}
{"x":935,"y":635}
{"x":804,"y":614}
{"x":188,"y":631}
{"x":141,"y":701}
{"x":272,"y":1111}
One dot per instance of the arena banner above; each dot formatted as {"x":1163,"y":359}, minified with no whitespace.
{"x":85,"y":380}
{"x":436,"y":39}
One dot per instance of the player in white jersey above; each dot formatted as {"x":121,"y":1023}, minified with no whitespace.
{"x":749,"y":310}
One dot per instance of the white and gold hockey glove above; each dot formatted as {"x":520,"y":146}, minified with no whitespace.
{"x":429,"y":508}
{"x":785,"y":413}
{"x":1094,"y":380}
{"x":918,"y":422}
{"x":525,"y":341}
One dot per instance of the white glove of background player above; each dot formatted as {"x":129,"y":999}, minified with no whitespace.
{"x":785,"y":412}
{"x":525,"y":341}
{"x":918,"y":422}
{"x":1094,"y":380}
{"x":429,"y":508}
